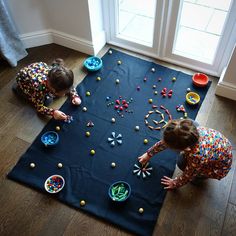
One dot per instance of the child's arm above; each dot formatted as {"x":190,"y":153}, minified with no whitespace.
{"x":75,"y":98}
{"x":43,"y":109}
{"x":56,"y":114}
{"x":157,"y":147}
{"x":188,"y":174}
{"x":181,"y":180}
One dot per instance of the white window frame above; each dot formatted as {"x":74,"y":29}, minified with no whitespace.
{"x":164,"y":31}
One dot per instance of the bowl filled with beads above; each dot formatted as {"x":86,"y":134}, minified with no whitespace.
{"x":192,"y":98}
{"x":50,"y":138}
{"x":93,"y":63}
{"x":54,"y":184}
{"x":119,"y":191}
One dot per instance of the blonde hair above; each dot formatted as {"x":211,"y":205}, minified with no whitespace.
{"x":180,"y":134}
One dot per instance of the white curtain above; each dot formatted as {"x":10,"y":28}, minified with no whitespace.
{"x":11,"y":47}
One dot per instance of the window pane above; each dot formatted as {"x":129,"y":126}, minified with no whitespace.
{"x":136,"y":20}
{"x":199,"y":29}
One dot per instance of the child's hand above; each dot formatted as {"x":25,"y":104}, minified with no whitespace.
{"x":144,"y":158}
{"x":76,"y":101}
{"x":168,"y":182}
{"x":59,"y":115}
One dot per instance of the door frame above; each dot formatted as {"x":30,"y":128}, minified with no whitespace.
{"x":164,"y":31}
{"x":224,"y":49}
{"x":110,"y":19}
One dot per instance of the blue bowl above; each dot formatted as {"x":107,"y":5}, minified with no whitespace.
{"x":119,"y":191}
{"x":50,"y":138}
{"x":93,"y":63}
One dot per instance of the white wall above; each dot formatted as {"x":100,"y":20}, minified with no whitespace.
{"x":70,"y":17}
{"x":226,"y":86}
{"x":96,"y":24}
{"x":29,"y":15}
{"x":65,"y":22}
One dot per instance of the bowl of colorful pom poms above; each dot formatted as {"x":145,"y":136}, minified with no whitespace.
{"x":50,"y":138}
{"x":93,"y":63}
{"x":119,"y":191}
{"x":192,"y":98}
{"x":54,"y":184}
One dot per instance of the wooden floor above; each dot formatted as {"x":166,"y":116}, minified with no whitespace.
{"x":204,"y":210}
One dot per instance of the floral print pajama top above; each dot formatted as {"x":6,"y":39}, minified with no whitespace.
{"x":32,"y":80}
{"x":211,"y":157}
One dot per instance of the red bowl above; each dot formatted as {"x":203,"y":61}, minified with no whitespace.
{"x":200,"y":80}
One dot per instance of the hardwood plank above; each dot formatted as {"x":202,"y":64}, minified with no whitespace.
{"x":15,"y":200}
{"x":57,"y":220}
{"x":229,"y":228}
{"x":89,"y":225}
{"x":207,"y":104}
{"x":29,"y":212}
{"x":222,"y":117}
{"x":232,"y":196}
{"x":19,"y":125}
{"x":10,"y":155}
{"x":192,"y":206}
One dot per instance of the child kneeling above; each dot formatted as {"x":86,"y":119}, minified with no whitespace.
{"x":40,"y":83}
{"x":205,"y":152}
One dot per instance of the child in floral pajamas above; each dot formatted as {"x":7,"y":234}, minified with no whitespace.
{"x":205,"y":152}
{"x":39,"y":82}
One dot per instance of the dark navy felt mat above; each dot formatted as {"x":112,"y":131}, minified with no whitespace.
{"x":88,"y":177}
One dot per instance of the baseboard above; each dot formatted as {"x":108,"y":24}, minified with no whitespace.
{"x":99,"y":41}
{"x":226,"y":89}
{"x":73,"y":42}
{"x":39,"y":38}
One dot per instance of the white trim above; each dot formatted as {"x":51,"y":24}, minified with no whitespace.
{"x":99,"y":41}
{"x":226,"y":89}
{"x":224,"y":49}
{"x":111,"y":25}
{"x":43,"y":37}
{"x":195,"y":67}
{"x":173,"y":61}
{"x":167,"y":18}
{"x":73,"y":42}
{"x":108,"y":19}
{"x":37,"y":38}
{"x":133,"y":49}
{"x":228,"y":49}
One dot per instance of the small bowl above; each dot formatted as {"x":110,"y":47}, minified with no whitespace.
{"x":200,"y":80}
{"x":50,"y":138}
{"x":119,"y":191}
{"x":54,"y":184}
{"x":192,"y":98}
{"x":93,"y":63}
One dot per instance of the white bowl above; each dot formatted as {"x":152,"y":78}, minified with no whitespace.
{"x":54,"y":184}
